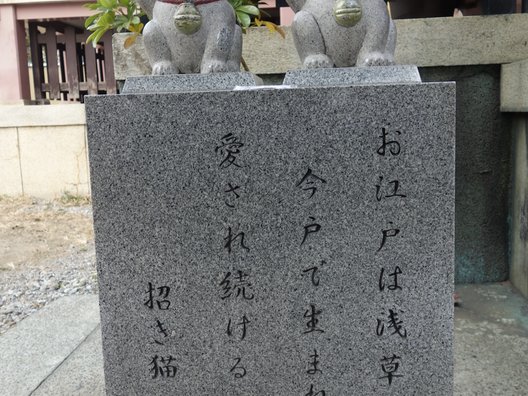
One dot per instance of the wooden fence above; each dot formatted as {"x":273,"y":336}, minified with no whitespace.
{"x":65,"y":67}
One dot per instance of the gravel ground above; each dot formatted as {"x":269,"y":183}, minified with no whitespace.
{"x":55,"y":256}
{"x":24,"y":292}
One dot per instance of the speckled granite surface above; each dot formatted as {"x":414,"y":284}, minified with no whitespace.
{"x":239,"y":239}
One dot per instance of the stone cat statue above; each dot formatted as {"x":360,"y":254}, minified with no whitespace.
{"x":343,"y":33}
{"x":184,"y":36}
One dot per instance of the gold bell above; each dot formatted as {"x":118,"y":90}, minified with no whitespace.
{"x":187,"y":18}
{"x":347,"y":13}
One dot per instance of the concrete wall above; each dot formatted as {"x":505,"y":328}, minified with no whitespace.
{"x":483,"y":169}
{"x":519,"y":214}
{"x":43,"y":150}
{"x":514,"y":99}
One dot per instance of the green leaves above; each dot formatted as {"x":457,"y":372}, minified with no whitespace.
{"x":95,"y":37}
{"x":108,"y":4}
{"x":243,"y":19}
{"x":90,"y":20}
{"x":116,"y":15}
{"x":244,"y":10}
{"x":249,"y":9}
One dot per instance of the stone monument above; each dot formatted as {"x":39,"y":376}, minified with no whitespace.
{"x":297,"y":241}
{"x":343,"y":33}
{"x":199,"y":36}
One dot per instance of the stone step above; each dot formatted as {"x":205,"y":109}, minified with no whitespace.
{"x":37,"y":346}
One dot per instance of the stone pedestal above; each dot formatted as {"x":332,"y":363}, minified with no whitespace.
{"x":400,"y":74}
{"x":276,"y":242}
{"x":189,"y":82}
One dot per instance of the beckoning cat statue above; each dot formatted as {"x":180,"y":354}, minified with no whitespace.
{"x":199,"y":36}
{"x":343,"y":33}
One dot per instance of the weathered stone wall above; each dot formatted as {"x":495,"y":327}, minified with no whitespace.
{"x":519,"y":211}
{"x":514,"y":98}
{"x":483,"y":152}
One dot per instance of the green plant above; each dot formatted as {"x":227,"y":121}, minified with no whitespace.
{"x":122,"y":15}
{"x":244,"y":10}
{"x":249,"y":14}
{"x":116,"y":15}
{"x":70,"y":199}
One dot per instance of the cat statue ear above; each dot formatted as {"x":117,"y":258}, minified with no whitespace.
{"x":343,"y":33}
{"x":185,"y":36}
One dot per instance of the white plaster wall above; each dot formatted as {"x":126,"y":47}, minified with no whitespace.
{"x":10,"y":177}
{"x":43,"y":151}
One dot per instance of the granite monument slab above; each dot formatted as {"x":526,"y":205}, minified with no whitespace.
{"x":276,"y":242}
